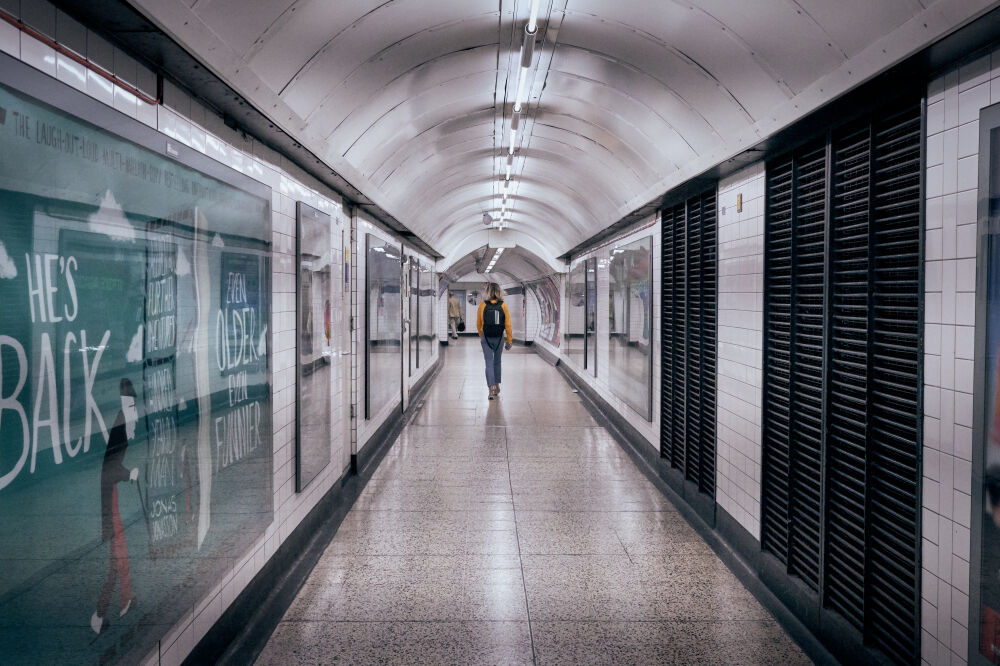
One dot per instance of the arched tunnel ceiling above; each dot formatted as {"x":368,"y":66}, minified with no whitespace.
{"x":514,"y":265}
{"x":411,"y":100}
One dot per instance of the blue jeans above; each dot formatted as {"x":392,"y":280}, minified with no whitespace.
{"x":492,"y":349}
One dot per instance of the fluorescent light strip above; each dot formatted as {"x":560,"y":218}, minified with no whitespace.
{"x":522,"y":80}
{"x":533,"y":19}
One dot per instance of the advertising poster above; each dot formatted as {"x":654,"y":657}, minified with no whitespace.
{"x":135,"y":412}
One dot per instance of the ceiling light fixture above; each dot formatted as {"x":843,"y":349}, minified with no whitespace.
{"x":526,"y":56}
{"x":533,"y":19}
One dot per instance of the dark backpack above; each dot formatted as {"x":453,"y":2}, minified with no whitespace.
{"x":494,"y":320}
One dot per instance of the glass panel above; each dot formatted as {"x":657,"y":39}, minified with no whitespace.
{"x":989,"y":580}
{"x":414,"y":314}
{"x":315,"y":375}
{"x":576,"y":317}
{"x":135,"y":410}
{"x":630,"y":368}
{"x":547,"y":295}
{"x":427,"y":335}
{"x":591,"y":266}
{"x":515,"y":303}
{"x":384,"y":325}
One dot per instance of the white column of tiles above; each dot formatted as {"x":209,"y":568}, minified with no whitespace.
{"x":953,"y":104}
{"x":740,"y":340}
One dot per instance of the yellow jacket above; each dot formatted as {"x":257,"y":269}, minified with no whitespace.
{"x":506,"y":319}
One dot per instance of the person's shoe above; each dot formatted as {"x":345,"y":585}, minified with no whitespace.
{"x":125,"y":608}
{"x":493,"y":393}
{"x":496,"y":389}
{"x":96,"y":622}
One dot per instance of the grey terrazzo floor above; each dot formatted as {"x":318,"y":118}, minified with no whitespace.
{"x":517,"y":531}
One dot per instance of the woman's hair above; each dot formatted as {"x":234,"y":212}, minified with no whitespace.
{"x":493,"y":292}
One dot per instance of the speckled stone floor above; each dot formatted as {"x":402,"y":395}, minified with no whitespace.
{"x":516,"y":531}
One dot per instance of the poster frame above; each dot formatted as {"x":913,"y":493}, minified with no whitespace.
{"x":303,"y":214}
{"x":989,"y":122}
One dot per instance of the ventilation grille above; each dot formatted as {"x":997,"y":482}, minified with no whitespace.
{"x":701,"y":320}
{"x":896,"y":399}
{"x":848,"y":391}
{"x":809,"y":265}
{"x":842,"y":384}
{"x":689,"y":339}
{"x":776,"y":473}
{"x":672,"y":411}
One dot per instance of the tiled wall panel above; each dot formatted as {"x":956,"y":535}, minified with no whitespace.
{"x":741,"y":295}
{"x":953,"y":104}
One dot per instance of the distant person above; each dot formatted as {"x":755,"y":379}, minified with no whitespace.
{"x":454,"y":314}
{"x":113,"y":472}
{"x":493,"y":321}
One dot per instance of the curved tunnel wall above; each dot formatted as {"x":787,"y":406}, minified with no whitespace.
{"x":954,"y":101}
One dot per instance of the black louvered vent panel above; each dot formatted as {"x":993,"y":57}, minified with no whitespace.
{"x":677,"y":417}
{"x":668,"y":331}
{"x":896,"y":399}
{"x":709,"y":335}
{"x":847,"y":416}
{"x":842,"y":374}
{"x":688,"y":362}
{"x":809,"y":270}
{"x":692,"y":468}
{"x":777,"y":359}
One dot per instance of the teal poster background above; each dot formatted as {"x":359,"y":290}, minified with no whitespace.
{"x":135,"y":412}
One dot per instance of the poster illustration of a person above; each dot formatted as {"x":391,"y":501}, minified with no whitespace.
{"x":113,"y":471}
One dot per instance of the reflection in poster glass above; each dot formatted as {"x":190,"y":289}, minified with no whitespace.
{"x":315,"y":372}
{"x":630,"y":290}
{"x":384,"y":325}
{"x":989,"y":517}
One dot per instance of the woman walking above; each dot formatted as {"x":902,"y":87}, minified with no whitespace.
{"x":493,"y":321}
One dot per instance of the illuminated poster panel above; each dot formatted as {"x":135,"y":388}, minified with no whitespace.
{"x":384,"y":324}
{"x":426,"y":315}
{"x":591,"y":343}
{"x":547,"y":294}
{"x":135,"y":409}
{"x":315,"y":344}
{"x":984,"y":595}
{"x":630,"y":360}
{"x":574,"y":345}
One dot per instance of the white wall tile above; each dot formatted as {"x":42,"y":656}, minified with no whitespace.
{"x":949,"y":350}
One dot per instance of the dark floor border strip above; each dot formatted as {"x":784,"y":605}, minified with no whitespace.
{"x":364,"y":457}
{"x":547,"y":356}
{"x":239,"y":636}
{"x":646,"y":457}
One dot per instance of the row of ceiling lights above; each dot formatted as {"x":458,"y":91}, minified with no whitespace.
{"x":493,"y":261}
{"x":527,"y":54}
